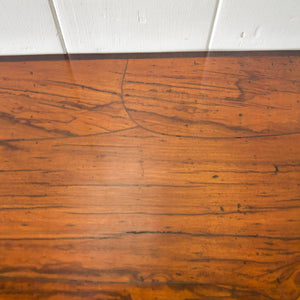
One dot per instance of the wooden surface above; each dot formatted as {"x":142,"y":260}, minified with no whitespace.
{"x":156,"y":178}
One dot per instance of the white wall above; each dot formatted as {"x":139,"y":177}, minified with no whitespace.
{"x":27,"y":27}
{"x":256,"y":24}
{"x":112,"y":26}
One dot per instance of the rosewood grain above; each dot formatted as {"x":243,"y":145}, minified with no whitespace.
{"x":153,"y":178}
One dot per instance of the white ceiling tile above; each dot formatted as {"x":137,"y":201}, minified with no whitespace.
{"x":257,"y":25}
{"x":27,"y":27}
{"x":108,"y":26}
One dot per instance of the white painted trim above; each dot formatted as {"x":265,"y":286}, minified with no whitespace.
{"x":132,"y":26}
{"x":27,"y":27}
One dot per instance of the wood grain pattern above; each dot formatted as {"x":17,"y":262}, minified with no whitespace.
{"x":158,"y":178}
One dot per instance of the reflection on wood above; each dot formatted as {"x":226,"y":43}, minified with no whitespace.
{"x":156,"y":178}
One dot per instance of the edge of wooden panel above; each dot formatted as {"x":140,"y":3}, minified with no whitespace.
{"x":95,"y":56}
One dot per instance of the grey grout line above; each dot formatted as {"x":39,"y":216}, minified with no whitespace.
{"x":58,"y":27}
{"x":213,"y":23}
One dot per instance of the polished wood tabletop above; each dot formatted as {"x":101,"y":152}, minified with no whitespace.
{"x":150,"y":177}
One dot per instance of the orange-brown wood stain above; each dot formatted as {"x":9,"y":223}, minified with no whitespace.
{"x":155,"y":178}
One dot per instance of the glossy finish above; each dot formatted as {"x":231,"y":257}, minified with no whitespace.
{"x":155,"y":178}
